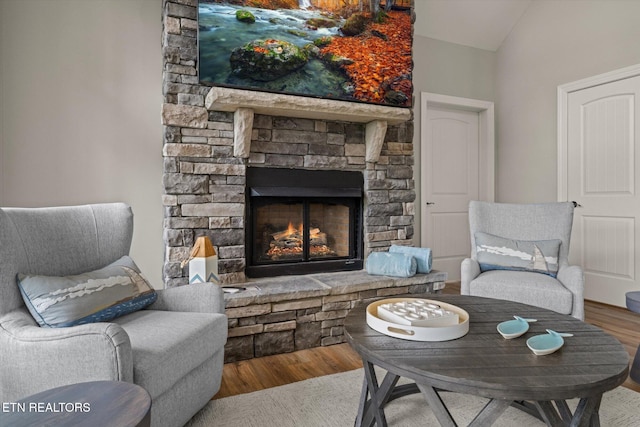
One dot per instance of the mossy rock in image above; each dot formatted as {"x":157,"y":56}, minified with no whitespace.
{"x":245,"y":16}
{"x":355,"y":25}
{"x":266,"y":60}
{"x":297,"y":33}
{"x":312,"y":50}
{"x":395,"y":97}
{"x":321,"y":23}
{"x":336,"y":62}
{"x":323,"y":41}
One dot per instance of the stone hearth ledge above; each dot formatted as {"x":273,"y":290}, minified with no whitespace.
{"x":291,"y":288}
{"x":245,"y":103}
{"x":289,"y":313}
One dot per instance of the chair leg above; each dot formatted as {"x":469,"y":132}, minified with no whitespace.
{"x":635,"y":368}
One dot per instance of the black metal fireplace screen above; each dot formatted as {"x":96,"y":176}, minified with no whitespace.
{"x":302,"y":221}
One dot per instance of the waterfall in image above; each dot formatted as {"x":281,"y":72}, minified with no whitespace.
{"x":304,"y":4}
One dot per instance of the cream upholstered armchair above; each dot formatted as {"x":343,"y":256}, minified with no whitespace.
{"x":508,"y":262}
{"x":173,"y":348}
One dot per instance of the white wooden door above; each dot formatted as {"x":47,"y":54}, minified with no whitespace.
{"x":450,"y":180}
{"x":603,"y":154}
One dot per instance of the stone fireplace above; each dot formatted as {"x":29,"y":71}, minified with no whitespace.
{"x":226,"y":150}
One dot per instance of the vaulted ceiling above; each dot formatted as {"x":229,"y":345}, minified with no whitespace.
{"x":482,"y":24}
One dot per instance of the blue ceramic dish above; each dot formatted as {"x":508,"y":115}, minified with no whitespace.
{"x":546,"y":343}
{"x":514,"y":328}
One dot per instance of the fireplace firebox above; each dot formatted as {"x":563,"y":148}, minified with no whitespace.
{"x":303,"y":221}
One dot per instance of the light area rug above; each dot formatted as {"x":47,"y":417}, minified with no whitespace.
{"x":332,"y":401}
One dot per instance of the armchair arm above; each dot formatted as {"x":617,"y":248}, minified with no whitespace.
{"x":35,"y":359}
{"x":197,"y":298}
{"x":469,"y":270}
{"x":572,"y":278}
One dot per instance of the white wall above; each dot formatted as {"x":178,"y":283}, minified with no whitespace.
{"x":80,"y":97}
{"x":555,"y":42}
{"x":452,"y":69}
{"x":447,"y":69}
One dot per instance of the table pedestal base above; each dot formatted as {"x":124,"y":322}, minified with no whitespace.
{"x":375,"y":396}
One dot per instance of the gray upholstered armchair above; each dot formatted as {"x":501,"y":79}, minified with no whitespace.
{"x":525,"y":222}
{"x":172,"y":348}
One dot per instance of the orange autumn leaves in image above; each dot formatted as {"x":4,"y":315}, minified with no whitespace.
{"x":377,"y":61}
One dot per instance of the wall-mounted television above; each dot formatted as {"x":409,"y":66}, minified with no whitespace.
{"x":352,"y":50}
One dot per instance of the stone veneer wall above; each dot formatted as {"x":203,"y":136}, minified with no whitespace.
{"x":204,"y":184}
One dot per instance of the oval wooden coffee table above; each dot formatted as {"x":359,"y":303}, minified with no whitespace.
{"x":483,"y":363}
{"x":95,"y":403}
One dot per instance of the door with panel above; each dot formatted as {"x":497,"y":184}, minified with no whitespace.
{"x":451,"y":180}
{"x":603,"y":154}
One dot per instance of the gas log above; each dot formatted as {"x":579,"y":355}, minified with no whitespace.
{"x":289,"y":242}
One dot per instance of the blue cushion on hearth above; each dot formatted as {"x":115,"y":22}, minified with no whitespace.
{"x":391,"y":264}
{"x":422,"y":255}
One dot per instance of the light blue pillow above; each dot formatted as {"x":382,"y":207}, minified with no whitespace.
{"x":96,"y":296}
{"x":391,"y":264}
{"x":499,"y":253}
{"x":422,"y":255}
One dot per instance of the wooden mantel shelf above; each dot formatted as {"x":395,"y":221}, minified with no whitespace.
{"x":245,"y":104}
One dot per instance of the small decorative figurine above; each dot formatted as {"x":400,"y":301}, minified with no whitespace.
{"x":203,"y":262}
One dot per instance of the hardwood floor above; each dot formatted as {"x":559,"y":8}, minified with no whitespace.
{"x":271,"y":371}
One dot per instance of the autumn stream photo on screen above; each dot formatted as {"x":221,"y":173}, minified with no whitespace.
{"x":353,"y":50}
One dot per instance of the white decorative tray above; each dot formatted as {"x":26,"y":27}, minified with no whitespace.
{"x":418,"y":333}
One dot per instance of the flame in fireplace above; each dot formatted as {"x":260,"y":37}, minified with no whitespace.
{"x":291,"y":230}
{"x":289,"y":243}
